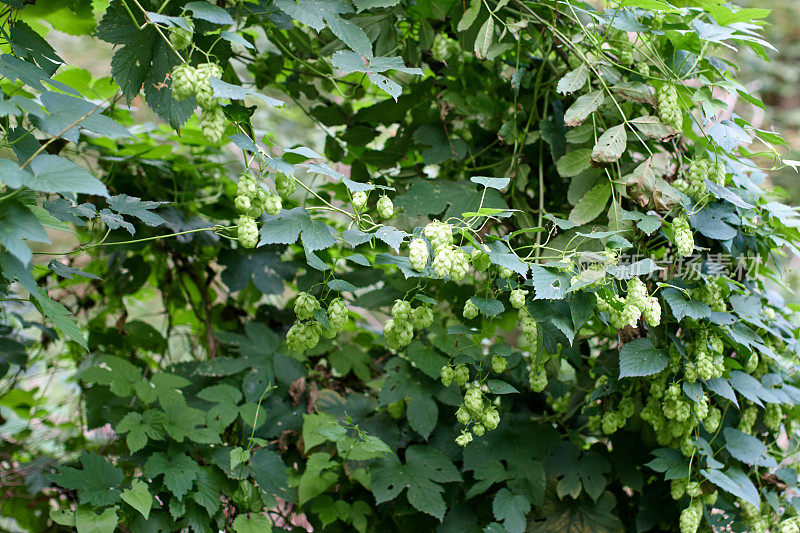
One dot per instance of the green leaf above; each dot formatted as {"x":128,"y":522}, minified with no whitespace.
{"x":591,"y":204}
{"x":135,"y":207}
{"x":500,"y":387}
{"x":488,"y":308}
{"x":584,"y":106}
{"x":682,"y":307}
{"x":422,"y":413}
{"x":425,"y":468}
{"x":735,"y":482}
{"x":12,"y":175}
{"x":63,"y":517}
{"x":18,"y":224}
{"x":140,"y":428}
{"x":573,"y":80}
{"x":210,"y":12}
{"x":640,"y":358}
{"x":511,"y":509}
{"x":469,"y":16}
{"x":138,"y":497}
{"x":179,"y":471}
{"x":653,"y":127}
{"x":61,"y":317}
{"x":97,"y":483}
{"x":362,"y":5}
{"x":484,"y":39}
{"x":671,"y":462}
{"x":252,"y":523}
{"x":610,"y":145}
{"x":549,"y":284}
{"x":491,"y":183}
{"x":574,"y":162}
{"x":56,"y":174}
{"x":318,"y":13}
{"x":269,"y":471}
{"x":88,"y":521}
{"x":747,"y":448}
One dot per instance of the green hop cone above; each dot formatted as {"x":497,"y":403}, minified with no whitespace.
{"x":183,"y":77}
{"x":181,"y":38}
{"x":463,"y":416}
{"x":461,"y":375}
{"x":284,"y":185}
{"x":504,"y":272}
{"x":359,"y":201}
{"x":443,"y":262}
{"x":247,"y":185}
{"x":447,"y":375}
{"x":440,"y":235}
{"x":418,"y":254}
{"x":385,"y":207}
{"x":460,"y":265}
{"x":203,"y":92}
{"x":652,"y":312}
{"x":242,"y":204}
{"x":480,"y":260}
{"x":537,"y":379}
{"x":213,"y":123}
{"x":637,"y":293}
{"x":337,"y":314}
{"x":473,"y":400}
{"x":464,"y":439}
{"x":517,"y":298}
{"x":247,"y":231}
{"x":401,"y":311}
{"x":304,"y":305}
{"x":712,"y":420}
{"x":677,"y":488}
{"x":303,"y":336}
{"x":422,"y":317}
{"x":643,"y":69}
{"x":273,"y":204}
{"x":478,"y":430}
{"x":530,"y":330}
{"x":668,"y":108}
{"x":690,"y":518}
{"x":396,"y":409}
{"x":470,"y":310}
{"x":693,"y":489}
{"x":683,"y":237}
{"x":490,"y":418}
{"x":499,"y":364}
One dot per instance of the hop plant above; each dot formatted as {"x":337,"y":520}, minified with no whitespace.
{"x":478,"y":430}
{"x":359,"y":201}
{"x":272,"y":204}
{"x":460,"y":265}
{"x":212,"y":123}
{"x":183,"y":77}
{"x":669,"y":110}
{"x":337,"y":314}
{"x":443,"y":262}
{"x":643,"y":69}
{"x":447,"y":374}
{"x":418,"y":254}
{"x":303,"y":336}
{"x":461,"y":374}
{"x":470,"y":310}
{"x":693,"y":489}
{"x":385,"y":207}
{"x":772,"y":416}
{"x":464,"y":439}
{"x":677,"y":487}
{"x":203,"y":92}
{"x":473,"y":400}
{"x":462,"y":415}
{"x":537,"y":379}
{"x":440,"y":235}
{"x":504,"y":272}
{"x":517,"y":298}
{"x":245,"y":207}
{"x":690,"y":518}
{"x":652,"y":311}
{"x":247,"y":231}
{"x":284,"y":185}
{"x":398,"y":333}
{"x":180,"y":37}
{"x":421,"y":317}
{"x":401,"y":310}
{"x":637,"y":292}
{"x":490,"y":418}
{"x":304,"y":305}
{"x":529,"y":329}
{"x":499,"y":364}
{"x":684,"y":239}
{"x":712,"y":420}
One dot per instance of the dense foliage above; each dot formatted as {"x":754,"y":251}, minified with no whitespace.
{"x":527,"y":280}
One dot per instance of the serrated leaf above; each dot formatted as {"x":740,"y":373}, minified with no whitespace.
{"x":584,"y":106}
{"x":573,"y":80}
{"x":179,"y":471}
{"x":611,"y":145}
{"x":488,"y":307}
{"x":723,"y":388}
{"x":640,"y":358}
{"x":574,"y":162}
{"x":682,"y":307}
{"x":97,"y":482}
{"x":491,"y":183}
{"x":591,"y":204}
{"x":548,"y":284}
{"x":210,"y":12}
{"x":425,"y":468}
{"x":135,"y":207}
{"x":18,"y":224}
{"x":734,"y":482}
{"x":56,"y":174}
{"x":747,"y":448}
{"x":511,"y":509}
{"x":497,"y":386}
